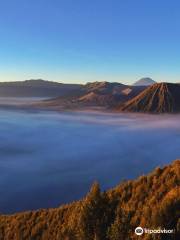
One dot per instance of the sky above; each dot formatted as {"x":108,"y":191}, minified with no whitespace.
{"x":81,"y":40}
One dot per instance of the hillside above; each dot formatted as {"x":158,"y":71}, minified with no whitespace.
{"x":151,"y":201}
{"x":144,"y":82}
{"x":158,"y":98}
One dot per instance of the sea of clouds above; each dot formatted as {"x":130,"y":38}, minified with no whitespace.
{"x":49,"y":158}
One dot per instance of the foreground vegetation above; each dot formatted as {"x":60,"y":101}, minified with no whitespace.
{"x":151,"y":201}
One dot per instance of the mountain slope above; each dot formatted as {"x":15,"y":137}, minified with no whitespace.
{"x":151,"y":201}
{"x":158,"y":98}
{"x":144,"y":82}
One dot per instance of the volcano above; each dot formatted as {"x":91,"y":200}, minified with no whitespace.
{"x":144,"y":82}
{"x":158,"y":98}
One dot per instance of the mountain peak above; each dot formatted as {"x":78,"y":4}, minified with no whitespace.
{"x":144,"y":82}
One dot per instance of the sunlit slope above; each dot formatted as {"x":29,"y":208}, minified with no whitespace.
{"x":151,"y":201}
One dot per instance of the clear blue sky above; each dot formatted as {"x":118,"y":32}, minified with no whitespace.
{"x":90,"y":40}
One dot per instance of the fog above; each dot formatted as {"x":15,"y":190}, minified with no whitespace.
{"x":49,"y":158}
{"x":14,"y":101}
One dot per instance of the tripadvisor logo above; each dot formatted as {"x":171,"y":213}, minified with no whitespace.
{"x":139,"y":231}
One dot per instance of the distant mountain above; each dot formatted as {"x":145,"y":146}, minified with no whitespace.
{"x":144,"y":82}
{"x":37,"y":88}
{"x":104,"y":94}
{"x":151,"y":200}
{"x":158,"y":98}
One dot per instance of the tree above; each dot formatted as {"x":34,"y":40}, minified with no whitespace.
{"x":94,"y":216}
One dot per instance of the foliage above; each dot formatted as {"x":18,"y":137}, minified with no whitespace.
{"x":151,"y":201}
